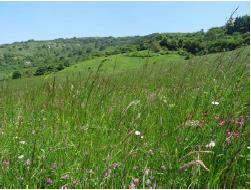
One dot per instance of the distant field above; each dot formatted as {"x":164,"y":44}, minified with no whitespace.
{"x":122,"y":121}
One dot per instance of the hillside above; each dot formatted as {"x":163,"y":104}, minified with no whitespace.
{"x":33,"y":58}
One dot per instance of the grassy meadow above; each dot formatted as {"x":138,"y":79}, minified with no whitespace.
{"x":122,"y":121}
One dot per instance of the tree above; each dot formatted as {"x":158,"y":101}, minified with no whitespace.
{"x":215,"y":33}
{"x":170,"y":44}
{"x":239,"y":24}
{"x":242,"y":24}
{"x":155,"y":46}
{"x":16,"y":75}
{"x":193,"y":46}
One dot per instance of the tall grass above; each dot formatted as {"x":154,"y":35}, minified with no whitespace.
{"x":78,"y":130}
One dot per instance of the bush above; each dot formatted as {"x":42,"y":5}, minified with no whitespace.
{"x":41,"y":71}
{"x":16,"y":75}
{"x":60,"y":67}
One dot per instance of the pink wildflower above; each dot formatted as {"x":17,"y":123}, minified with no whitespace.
{"x":131,"y":186}
{"x":221,"y":122}
{"x":65,"y":177}
{"x":106,"y":172}
{"x":49,"y":181}
{"x":5,"y":163}
{"x":136,"y":181}
{"x":240,"y":122}
{"x":236,"y":134}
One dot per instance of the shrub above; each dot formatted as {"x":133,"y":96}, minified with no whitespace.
{"x":16,"y":75}
{"x":41,"y":71}
{"x":60,"y":67}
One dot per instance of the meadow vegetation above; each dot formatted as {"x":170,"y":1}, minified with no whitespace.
{"x":129,"y":121}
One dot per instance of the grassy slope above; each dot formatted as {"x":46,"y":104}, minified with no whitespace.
{"x":85,"y":121}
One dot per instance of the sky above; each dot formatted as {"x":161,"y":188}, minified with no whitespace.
{"x":21,"y":21}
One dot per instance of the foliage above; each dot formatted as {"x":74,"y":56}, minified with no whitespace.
{"x":33,"y":54}
{"x":16,"y":75}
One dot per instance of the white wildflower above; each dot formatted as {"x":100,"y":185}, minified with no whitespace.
{"x":215,"y":103}
{"x":148,"y":182}
{"x":137,"y":133}
{"x":21,"y":157}
{"x":210,"y":145}
{"x":22,"y":142}
{"x":27,"y":162}
{"x":142,"y":137}
{"x":146,"y":171}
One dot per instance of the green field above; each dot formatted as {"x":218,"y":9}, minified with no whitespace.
{"x":121,"y":121}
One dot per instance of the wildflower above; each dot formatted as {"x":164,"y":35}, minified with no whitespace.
{"x":75,"y":182}
{"x":228,"y":133}
{"x":215,"y":103}
{"x":49,"y":181}
{"x":236,"y":134}
{"x":131,"y":186}
{"x":231,"y":134}
{"x":21,"y":157}
{"x":107,"y":173}
{"x":240,"y":122}
{"x":151,"y":152}
{"x":146,"y":171}
{"x":115,"y":165}
{"x":148,"y":182}
{"x":33,"y":132}
{"x":27,"y":162}
{"x":5,"y":163}
{"x":65,"y":177}
{"x":222,"y":122}
{"x":22,"y":142}
{"x":210,"y":145}
{"x":137,"y":133}
{"x":135,"y":181}
{"x":163,"y":167}
{"x":142,"y":137}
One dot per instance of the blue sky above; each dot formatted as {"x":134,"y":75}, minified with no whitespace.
{"x":20,"y":21}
